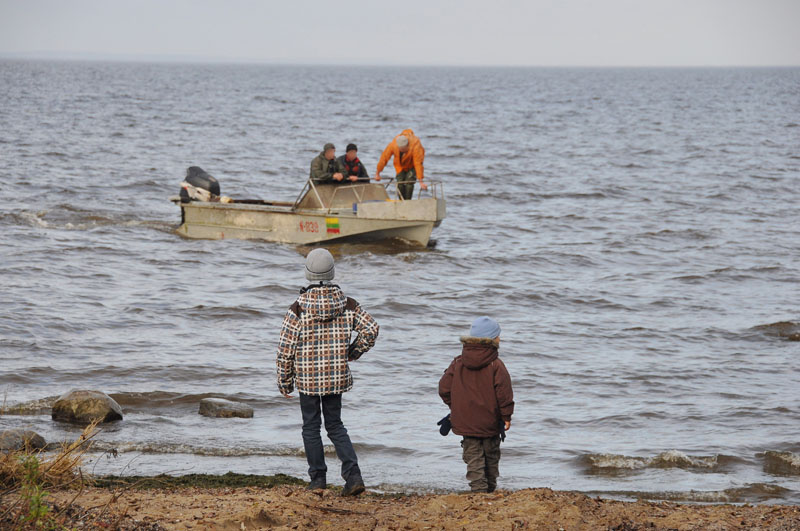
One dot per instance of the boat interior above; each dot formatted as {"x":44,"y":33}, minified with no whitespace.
{"x":338,"y":196}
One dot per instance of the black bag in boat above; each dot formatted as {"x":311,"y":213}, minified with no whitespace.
{"x":198,"y":185}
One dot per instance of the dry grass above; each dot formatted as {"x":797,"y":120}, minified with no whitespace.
{"x":25,"y":474}
{"x":56,"y":471}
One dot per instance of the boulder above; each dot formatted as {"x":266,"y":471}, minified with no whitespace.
{"x":788,"y":330}
{"x":84,"y":407}
{"x":19,"y":439}
{"x":221,"y":408}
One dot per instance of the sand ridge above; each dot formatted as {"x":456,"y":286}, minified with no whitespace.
{"x":292,"y":507}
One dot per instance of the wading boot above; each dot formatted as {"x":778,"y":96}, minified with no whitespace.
{"x":353,"y":486}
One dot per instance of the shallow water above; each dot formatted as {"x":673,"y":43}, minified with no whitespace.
{"x":634,"y":231}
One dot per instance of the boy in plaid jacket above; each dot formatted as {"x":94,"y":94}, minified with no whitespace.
{"x":313,"y":354}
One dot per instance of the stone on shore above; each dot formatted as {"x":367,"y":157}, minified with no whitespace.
{"x":221,"y":408}
{"x":84,"y":407}
{"x":19,"y":439}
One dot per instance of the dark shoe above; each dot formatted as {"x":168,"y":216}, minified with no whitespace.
{"x":353,"y":486}
{"x":317,"y":484}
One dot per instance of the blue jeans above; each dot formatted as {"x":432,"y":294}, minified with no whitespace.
{"x":331,"y":406}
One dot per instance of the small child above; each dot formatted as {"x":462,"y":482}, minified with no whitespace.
{"x":477,"y":387}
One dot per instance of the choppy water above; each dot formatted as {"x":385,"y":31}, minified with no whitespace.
{"x":635,"y":232}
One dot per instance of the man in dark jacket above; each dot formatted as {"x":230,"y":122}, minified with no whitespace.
{"x":477,"y":387}
{"x":354,"y":170}
{"x":313,"y":355}
{"x":326,"y":168}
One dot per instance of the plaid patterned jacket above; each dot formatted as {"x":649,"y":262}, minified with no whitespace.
{"x":315,"y":338}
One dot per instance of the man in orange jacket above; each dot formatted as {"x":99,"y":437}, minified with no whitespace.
{"x":408,"y":156}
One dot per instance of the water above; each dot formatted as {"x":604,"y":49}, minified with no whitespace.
{"x":634,"y":231}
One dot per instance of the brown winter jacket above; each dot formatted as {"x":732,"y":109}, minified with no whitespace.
{"x":477,"y":387}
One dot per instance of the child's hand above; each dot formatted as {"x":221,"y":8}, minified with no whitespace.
{"x":508,"y":425}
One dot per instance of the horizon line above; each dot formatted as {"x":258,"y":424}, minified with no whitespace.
{"x":191,"y":59}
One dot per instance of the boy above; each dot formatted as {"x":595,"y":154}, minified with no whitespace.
{"x":477,"y":387}
{"x":313,"y":357}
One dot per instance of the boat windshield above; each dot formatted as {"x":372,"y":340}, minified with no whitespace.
{"x":335,"y":196}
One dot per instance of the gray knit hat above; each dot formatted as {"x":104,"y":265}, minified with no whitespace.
{"x":402,"y":141}
{"x":319,"y":265}
{"x":328,"y":146}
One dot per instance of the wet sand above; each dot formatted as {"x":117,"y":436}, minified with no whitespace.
{"x":292,"y":507}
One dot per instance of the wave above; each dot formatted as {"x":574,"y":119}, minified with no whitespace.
{"x":689,"y":234}
{"x":223,"y":312}
{"x":151,"y":184}
{"x":630,"y":165}
{"x":40,"y":406}
{"x":752,"y":493}
{"x":614,"y":464}
{"x":162,"y":399}
{"x":781,"y":463}
{"x":107,"y":375}
{"x":66,"y":217}
{"x":116,"y":448}
{"x":569,"y":195}
{"x":24,"y":218}
{"x":732,"y":274}
{"x":145,"y":401}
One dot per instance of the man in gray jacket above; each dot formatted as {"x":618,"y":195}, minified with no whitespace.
{"x":326,"y":168}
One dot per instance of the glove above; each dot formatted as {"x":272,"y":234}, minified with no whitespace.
{"x":445,"y":425}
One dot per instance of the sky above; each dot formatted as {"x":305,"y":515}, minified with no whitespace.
{"x":410,"y":32}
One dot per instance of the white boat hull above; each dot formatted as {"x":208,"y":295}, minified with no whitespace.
{"x":372,"y":219}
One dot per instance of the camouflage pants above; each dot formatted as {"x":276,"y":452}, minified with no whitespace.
{"x":482,"y":456}
{"x":407,"y":178}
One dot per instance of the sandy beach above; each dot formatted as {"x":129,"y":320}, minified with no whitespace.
{"x":292,"y":507}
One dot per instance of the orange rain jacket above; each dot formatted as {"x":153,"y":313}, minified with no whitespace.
{"x":413,"y":158}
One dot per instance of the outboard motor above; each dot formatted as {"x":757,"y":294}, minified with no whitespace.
{"x":198,"y":186}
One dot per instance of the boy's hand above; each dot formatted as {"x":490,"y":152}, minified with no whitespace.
{"x":507,"y":425}
{"x":285,"y":394}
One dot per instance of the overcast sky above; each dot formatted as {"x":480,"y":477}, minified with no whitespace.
{"x":416,"y":32}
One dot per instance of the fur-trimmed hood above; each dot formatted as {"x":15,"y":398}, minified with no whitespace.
{"x":477,"y":340}
{"x":478,"y":352}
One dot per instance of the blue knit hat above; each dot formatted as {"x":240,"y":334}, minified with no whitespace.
{"x":484,"y":327}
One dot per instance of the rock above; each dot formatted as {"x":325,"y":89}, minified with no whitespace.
{"x":219,"y":407}
{"x":788,"y":330}
{"x":84,"y":407}
{"x":19,"y":439}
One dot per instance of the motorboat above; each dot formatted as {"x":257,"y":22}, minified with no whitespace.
{"x":322,"y":212}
